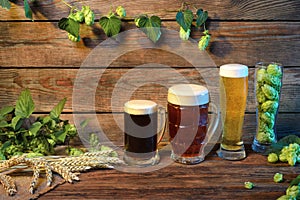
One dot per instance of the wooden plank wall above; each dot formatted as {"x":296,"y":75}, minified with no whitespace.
{"x":38,"y":55}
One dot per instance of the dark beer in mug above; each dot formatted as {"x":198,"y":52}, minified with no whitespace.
{"x":140,"y":132}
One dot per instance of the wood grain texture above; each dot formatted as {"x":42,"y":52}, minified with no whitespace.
{"x":42,"y":44}
{"x":212,"y":179}
{"x":38,"y":55}
{"x":166,"y":9}
{"x":116,"y":86}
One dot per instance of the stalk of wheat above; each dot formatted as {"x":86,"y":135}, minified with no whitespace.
{"x":67,"y":167}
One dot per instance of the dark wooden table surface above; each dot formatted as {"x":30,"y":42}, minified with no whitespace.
{"x":212,"y":179}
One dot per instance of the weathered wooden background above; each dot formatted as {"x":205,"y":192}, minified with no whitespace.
{"x":38,"y":55}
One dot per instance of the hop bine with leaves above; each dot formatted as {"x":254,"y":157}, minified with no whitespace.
{"x":71,"y":24}
{"x":111,"y":23}
{"x":28,"y":12}
{"x":185,"y":17}
{"x":21,"y":132}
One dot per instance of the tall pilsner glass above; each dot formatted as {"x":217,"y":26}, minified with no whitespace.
{"x":233,"y":98}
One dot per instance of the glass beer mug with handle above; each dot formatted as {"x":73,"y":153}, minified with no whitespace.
{"x":190,"y":127}
{"x":141,"y":119}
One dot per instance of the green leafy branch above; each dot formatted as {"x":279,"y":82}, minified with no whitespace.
{"x":71,"y":24}
{"x":21,"y":132}
{"x":150,"y":26}
{"x":28,"y":12}
{"x":111,"y":23}
{"x":185,"y":18}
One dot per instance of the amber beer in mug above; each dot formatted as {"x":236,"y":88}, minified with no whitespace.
{"x":189,"y":126}
{"x":233,"y":98}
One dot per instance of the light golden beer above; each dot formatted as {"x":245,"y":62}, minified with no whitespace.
{"x":233,"y":99}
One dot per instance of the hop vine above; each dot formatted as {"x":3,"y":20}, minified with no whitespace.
{"x":185,"y":18}
{"x":111,"y":23}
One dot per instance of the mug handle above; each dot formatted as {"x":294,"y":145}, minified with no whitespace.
{"x":213,"y":125}
{"x":161,"y":111}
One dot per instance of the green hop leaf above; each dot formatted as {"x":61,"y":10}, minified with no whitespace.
{"x":295,"y":181}
{"x":111,"y":25}
{"x":56,"y":111}
{"x":201,"y":17}
{"x":5,"y":145}
{"x":69,"y":25}
{"x":34,"y":129}
{"x":150,"y":26}
{"x":46,"y":119}
{"x":5,"y":4}
{"x":60,"y":135}
{"x":63,"y":133}
{"x":24,"y":105}
{"x":4,"y":124}
{"x":2,"y":156}
{"x":28,"y":11}
{"x":289,"y":139}
{"x":185,"y":19}
{"x":16,"y":122}
{"x":5,"y":110}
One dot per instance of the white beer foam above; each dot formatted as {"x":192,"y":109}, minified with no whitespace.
{"x":140,"y":107}
{"x":188,"y":95}
{"x":234,"y":70}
